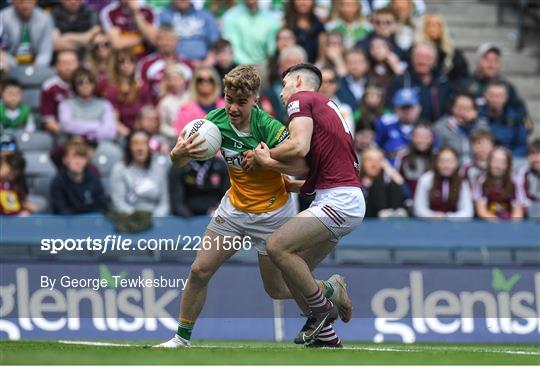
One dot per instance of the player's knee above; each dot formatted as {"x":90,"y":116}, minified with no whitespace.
{"x":200,"y":273}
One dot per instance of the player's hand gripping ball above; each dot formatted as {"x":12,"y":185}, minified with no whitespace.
{"x":207,"y":130}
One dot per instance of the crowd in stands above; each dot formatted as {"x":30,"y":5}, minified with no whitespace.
{"x":435,"y":137}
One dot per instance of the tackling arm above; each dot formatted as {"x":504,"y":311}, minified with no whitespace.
{"x":299,"y":142}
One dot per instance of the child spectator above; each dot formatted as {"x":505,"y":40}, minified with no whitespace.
{"x":173,"y":97}
{"x":455,"y":128}
{"x":76,"y":188}
{"x":347,"y":19}
{"x":417,"y":159}
{"x":496,"y":193}
{"x":382,"y":186}
{"x":196,"y":189}
{"x":371,"y":106}
{"x":442,"y":193}
{"x":384,"y":63}
{"x":529,"y":180}
{"x":507,"y":123}
{"x":13,"y":190}
{"x":148,"y":121}
{"x":56,"y":89}
{"x":84,"y":114}
{"x":14,"y":114}
{"x":99,"y":57}
{"x":482,"y":143}
{"x":138,"y":183}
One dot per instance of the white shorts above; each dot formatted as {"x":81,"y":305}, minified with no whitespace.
{"x":340,"y":209}
{"x":229,"y":221}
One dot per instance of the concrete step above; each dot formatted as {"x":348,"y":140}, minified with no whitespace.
{"x":528,"y":87}
{"x":457,"y":12}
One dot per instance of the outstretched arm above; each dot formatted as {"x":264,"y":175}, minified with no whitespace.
{"x":296,"y":167}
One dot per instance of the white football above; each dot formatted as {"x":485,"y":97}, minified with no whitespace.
{"x":208,"y":130}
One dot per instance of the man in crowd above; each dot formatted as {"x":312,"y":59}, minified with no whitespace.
{"x":74,"y":25}
{"x":352,"y":86}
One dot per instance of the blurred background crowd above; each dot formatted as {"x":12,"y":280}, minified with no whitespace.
{"x":95,"y":92}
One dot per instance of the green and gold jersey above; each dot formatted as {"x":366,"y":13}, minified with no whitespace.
{"x":260,"y":190}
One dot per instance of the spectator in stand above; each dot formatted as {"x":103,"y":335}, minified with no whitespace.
{"x":127,"y":94}
{"x":148,"y":121}
{"x":284,"y":38}
{"x":507,"y":123}
{"x":496,"y":193}
{"x":434,"y":89}
{"x":450,"y":60}
{"x":139,"y":183}
{"x":196,"y":189}
{"x":488,"y":68}
{"x":364,"y":138}
{"x":76,"y":188}
{"x":309,"y":31}
{"x":129,"y":24}
{"x":14,"y":113}
{"x":222,"y":57}
{"x":28,"y":34}
{"x":442,"y":193}
{"x":328,"y":89}
{"x":529,"y":180}
{"x":371,"y":106}
{"x":251,"y":44}
{"x":347,"y":19}
{"x":384,"y":23}
{"x":394,"y":130}
{"x":382,"y":186}
{"x":417,"y":159}
{"x":384,"y":63}
{"x":204,"y":96}
{"x":196,"y":29}
{"x":455,"y":128}
{"x":13,"y":189}
{"x":482,"y":143}
{"x":352,"y":85}
{"x":151,"y":68}
{"x":84,"y":114}
{"x":174,"y":96}
{"x":407,"y":14}
{"x":99,"y":57}
{"x":56,"y":89}
{"x":74,"y":25}
{"x":332,"y":53}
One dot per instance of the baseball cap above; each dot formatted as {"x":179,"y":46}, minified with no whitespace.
{"x":405,"y":97}
{"x":487,"y":47}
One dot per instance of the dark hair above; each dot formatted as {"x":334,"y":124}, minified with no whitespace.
{"x":17,"y":163}
{"x":11,"y":82}
{"x":490,"y":183}
{"x":166,"y":27}
{"x":497,"y":82}
{"x":291,"y":15}
{"x":384,"y":11}
{"x":482,"y":134}
{"x":81,"y":72}
{"x":461,"y":94}
{"x":305,"y":66}
{"x":534,"y":147}
{"x":414,"y":154}
{"x":220,"y":45}
{"x":59,"y":53}
{"x":455,"y":180}
{"x":128,"y":156}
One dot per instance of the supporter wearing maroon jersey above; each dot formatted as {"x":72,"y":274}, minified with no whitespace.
{"x":529,"y":180}
{"x":320,"y":135}
{"x":442,"y":193}
{"x":482,"y":143}
{"x":129,"y":25}
{"x":496,"y":193}
{"x":56,"y":89}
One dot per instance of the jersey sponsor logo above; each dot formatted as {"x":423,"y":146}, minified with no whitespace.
{"x":232,"y":158}
{"x":293,"y":107}
{"x":281,"y":135}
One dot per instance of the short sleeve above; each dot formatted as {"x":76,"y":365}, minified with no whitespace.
{"x":300,"y":104}
{"x":274,"y":132}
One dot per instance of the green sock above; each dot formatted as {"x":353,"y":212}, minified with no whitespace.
{"x":185,"y":327}
{"x":328,"y":288}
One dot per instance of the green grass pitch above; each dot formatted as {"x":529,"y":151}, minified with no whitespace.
{"x":255,"y":352}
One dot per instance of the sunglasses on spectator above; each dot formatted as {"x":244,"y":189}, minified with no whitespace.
{"x":384,"y":22}
{"x":201,"y":79}
{"x":83,"y":82}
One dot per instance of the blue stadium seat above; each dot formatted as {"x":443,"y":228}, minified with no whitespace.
{"x":31,"y":76}
{"x":107,"y":154}
{"x":37,"y":140}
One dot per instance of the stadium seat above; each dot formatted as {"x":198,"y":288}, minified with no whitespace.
{"x":39,"y":164}
{"x":37,"y":140}
{"x":107,"y":154}
{"x":40,"y":185}
{"x":40,"y":201}
{"x":32,"y":76}
{"x":32,"y":98}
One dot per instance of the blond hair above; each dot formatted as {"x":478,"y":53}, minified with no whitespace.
{"x":215,"y":78}
{"x":243,"y":79}
{"x":445,"y":43}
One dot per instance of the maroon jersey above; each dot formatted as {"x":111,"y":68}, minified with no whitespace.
{"x":331,"y":158}
{"x":411,"y":169}
{"x":54,"y":91}
{"x":497,"y":200}
{"x":440,"y":201}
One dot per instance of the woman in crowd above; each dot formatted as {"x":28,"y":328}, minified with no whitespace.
{"x":347,"y":19}
{"x":332,"y":53}
{"x":417,"y":159}
{"x":173,"y":97}
{"x":99,"y":57}
{"x":148,"y":121}
{"x":309,"y":31}
{"x":139,"y":183}
{"x":126,"y":93}
{"x":496,"y":193}
{"x":85,"y":114}
{"x":204,"y":96}
{"x":371,"y":106}
{"x":285,"y":37}
{"x":384,"y":63}
{"x":442,"y":193}
{"x":450,"y":60}
{"x":383,"y":186}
